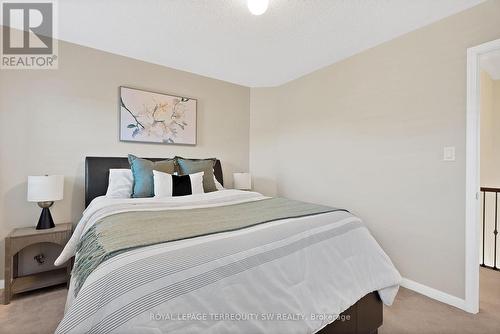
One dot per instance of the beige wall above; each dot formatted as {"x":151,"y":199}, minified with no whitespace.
{"x":51,"y":120}
{"x":490,"y":156}
{"x":490,"y":131}
{"x":487,"y":129}
{"x":495,"y":178}
{"x":367,"y":134}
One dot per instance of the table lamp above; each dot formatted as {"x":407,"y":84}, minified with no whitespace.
{"x":242,"y":181}
{"x":45,"y":190}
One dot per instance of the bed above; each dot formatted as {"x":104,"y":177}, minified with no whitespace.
{"x":312,"y":270}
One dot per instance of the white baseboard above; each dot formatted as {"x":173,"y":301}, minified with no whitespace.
{"x":434,"y":294}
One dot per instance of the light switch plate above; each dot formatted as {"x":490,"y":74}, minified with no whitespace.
{"x":449,"y":153}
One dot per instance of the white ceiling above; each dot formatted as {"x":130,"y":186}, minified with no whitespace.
{"x":221,"y":39}
{"x":490,"y":62}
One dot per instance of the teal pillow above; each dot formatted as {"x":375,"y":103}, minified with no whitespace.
{"x":142,"y":170}
{"x":192,"y":166}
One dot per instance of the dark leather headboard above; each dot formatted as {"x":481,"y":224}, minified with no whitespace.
{"x":97,"y":174}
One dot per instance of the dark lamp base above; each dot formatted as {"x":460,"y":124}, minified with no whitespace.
{"x":45,"y":220}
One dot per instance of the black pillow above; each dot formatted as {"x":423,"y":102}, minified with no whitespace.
{"x":181,"y":185}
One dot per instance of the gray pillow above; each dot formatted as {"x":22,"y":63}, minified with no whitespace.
{"x":191,"y":166}
{"x":142,"y":170}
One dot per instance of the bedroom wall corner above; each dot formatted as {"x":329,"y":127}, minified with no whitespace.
{"x":264,"y":124}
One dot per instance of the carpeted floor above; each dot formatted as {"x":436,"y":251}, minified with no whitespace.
{"x":40,"y":312}
{"x":414,"y":313}
{"x":36,"y":312}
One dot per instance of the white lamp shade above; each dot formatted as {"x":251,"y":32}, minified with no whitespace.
{"x":47,"y":188}
{"x":242,"y":181}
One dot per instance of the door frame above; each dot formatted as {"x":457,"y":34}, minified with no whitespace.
{"x":472,"y":191}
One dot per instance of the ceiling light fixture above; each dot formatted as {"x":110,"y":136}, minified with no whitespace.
{"x":258,"y":7}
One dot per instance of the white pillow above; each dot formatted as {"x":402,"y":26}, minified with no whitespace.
{"x":164,"y":186}
{"x":120,"y":183}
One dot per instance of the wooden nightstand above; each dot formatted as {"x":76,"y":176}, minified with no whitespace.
{"x":20,"y":238}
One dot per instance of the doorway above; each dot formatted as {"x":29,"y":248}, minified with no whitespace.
{"x":478,"y":175}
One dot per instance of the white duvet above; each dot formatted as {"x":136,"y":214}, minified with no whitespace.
{"x":289,"y":276}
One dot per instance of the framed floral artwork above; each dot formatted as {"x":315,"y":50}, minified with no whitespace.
{"x":157,"y":118}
